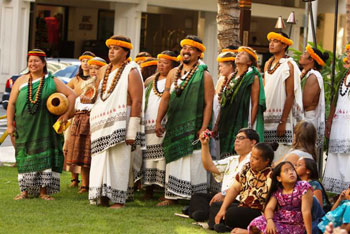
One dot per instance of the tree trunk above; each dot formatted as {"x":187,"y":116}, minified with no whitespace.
{"x":228,"y":23}
{"x":347,"y":21}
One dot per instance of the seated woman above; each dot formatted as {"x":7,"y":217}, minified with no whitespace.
{"x":223,"y":170}
{"x":289,"y":203}
{"x":252,"y":183}
{"x":307,"y":170}
{"x":304,"y":143}
{"x":339,"y":214}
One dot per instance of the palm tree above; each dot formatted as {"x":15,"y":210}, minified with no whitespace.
{"x":228,"y":24}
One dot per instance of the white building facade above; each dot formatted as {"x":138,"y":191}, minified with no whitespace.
{"x":68,"y":27}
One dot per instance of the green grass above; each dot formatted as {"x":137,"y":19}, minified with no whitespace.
{"x":71,"y":213}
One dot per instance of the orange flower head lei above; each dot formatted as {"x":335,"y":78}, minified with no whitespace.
{"x":226,"y":57}
{"x":88,"y":57}
{"x":347,"y":47}
{"x":279,"y":37}
{"x":37,"y":52}
{"x":97,"y":61}
{"x":229,"y":50}
{"x":120,"y":43}
{"x":138,"y":59}
{"x":193,"y":43}
{"x":149,"y":63}
{"x":315,"y":56}
{"x":202,"y":56}
{"x":250,"y":51}
{"x":345,"y":60}
{"x":179,"y":58}
{"x":165,"y":56}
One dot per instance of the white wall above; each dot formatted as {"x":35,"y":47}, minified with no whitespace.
{"x":14,"y":28}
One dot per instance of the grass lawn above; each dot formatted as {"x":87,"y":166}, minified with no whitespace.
{"x":71,"y":213}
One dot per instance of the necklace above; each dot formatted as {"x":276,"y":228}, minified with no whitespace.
{"x":116,"y":78}
{"x":303,"y":74}
{"x":36,"y":102}
{"x":230,"y":87}
{"x":179,"y":89}
{"x":224,"y":86}
{"x":271,"y":71}
{"x":346,"y":85}
{"x":155,"y":87}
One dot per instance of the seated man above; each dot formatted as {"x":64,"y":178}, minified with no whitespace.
{"x":223,"y":171}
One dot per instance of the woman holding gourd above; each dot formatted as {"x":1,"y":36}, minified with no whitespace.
{"x":39,"y":154}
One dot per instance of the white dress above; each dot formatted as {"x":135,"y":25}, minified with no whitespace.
{"x":337,"y":176}
{"x":153,"y":169}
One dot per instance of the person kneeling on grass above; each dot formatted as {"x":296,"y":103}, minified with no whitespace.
{"x":252,"y":183}
{"x":224,"y":170}
{"x":289,"y":203}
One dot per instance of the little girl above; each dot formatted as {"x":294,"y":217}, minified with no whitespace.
{"x":340,"y":213}
{"x":293,"y":199}
{"x":307,"y":170}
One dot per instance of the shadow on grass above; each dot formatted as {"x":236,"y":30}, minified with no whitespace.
{"x":72,"y":213}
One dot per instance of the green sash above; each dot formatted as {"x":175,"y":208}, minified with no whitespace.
{"x":38,"y":147}
{"x":147,"y":93}
{"x":235,"y":114}
{"x":185,"y":117}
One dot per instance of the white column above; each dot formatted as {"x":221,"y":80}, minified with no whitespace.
{"x":211,"y":43}
{"x":14,"y":28}
{"x":314,"y":12}
{"x":127,"y":22}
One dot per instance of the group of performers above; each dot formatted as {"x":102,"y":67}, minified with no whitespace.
{"x":144,"y":117}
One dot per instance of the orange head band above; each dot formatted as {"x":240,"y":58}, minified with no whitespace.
{"x":149,"y":63}
{"x":97,"y":61}
{"x":229,"y":50}
{"x":37,"y":53}
{"x":193,"y":43}
{"x":138,"y":59}
{"x":120,"y":43}
{"x":249,"y":51}
{"x":315,"y":56}
{"x":88,"y":57}
{"x":279,"y":37}
{"x":165,"y":56}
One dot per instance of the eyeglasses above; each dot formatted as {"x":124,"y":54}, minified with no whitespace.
{"x":241,"y":138}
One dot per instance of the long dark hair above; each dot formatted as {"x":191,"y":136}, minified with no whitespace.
{"x":305,"y":138}
{"x":312,"y":167}
{"x":275,"y":185}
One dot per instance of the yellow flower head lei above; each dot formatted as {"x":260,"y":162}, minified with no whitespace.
{"x":315,"y":56}
{"x":347,"y":47}
{"x":345,"y":60}
{"x":138,"y":59}
{"x":179,"y":58}
{"x":37,"y":52}
{"x":202,"y":56}
{"x":193,"y":43}
{"x":229,"y":57}
{"x":279,"y":37}
{"x":129,"y":59}
{"x":88,"y":57}
{"x":165,"y":56}
{"x":249,"y":51}
{"x":120,"y":43}
{"x":149,"y":63}
{"x":97,"y":61}
{"x":229,"y":50}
